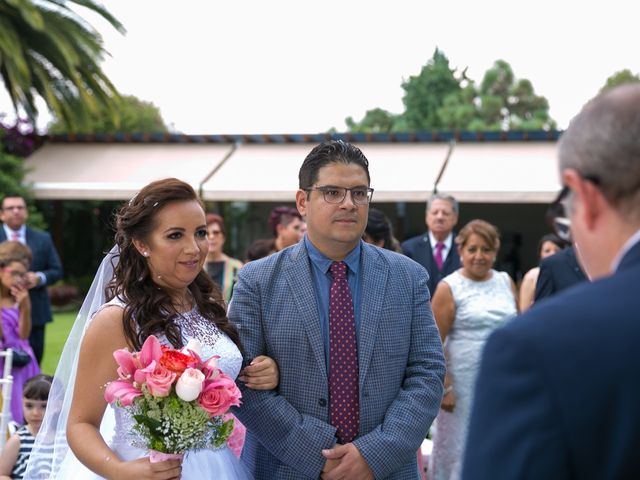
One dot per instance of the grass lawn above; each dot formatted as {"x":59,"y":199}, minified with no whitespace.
{"x":55,"y":336}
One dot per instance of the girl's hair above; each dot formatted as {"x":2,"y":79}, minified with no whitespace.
{"x":379,"y":228}
{"x":553,"y":238}
{"x":14,"y":251}
{"x":37,"y":388}
{"x":149,"y":309}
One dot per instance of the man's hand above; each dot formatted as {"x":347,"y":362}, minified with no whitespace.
{"x":261,"y":374}
{"x":351,"y":465}
{"x":33,"y":280}
{"x":329,"y":465}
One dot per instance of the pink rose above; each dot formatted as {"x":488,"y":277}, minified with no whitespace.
{"x":189,"y":385}
{"x":219,"y":395}
{"x":123,"y":391}
{"x":159,"y":381}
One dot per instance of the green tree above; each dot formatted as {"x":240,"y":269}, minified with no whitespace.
{"x":377,"y":120}
{"x":136,"y":116}
{"x":620,"y":78}
{"x":47,"y":50}
{"x":424,"y":93}
{"x":440,"y":98}
{"x":507,"y":103}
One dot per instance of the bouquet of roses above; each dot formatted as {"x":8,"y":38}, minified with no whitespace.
{"x":177,"y":400}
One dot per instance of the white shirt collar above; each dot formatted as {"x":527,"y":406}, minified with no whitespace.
{"x":22,"y":232}
{"x":628,"y":245}
{"x":447,"y":244}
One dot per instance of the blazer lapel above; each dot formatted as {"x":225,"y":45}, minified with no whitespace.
{"x":373,"y":284}
{"x":298,"y":276}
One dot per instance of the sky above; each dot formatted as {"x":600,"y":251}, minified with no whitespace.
{"x":284,"y":66}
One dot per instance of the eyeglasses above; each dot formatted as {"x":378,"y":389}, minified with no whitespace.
{"x":336,"y":195}
{"x":16,"y":207}
{"x":15,"y":274}
{"x":215,"y":233}
{"x":558,"y":212}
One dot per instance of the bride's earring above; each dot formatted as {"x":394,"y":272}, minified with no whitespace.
{"x":146,"y":254}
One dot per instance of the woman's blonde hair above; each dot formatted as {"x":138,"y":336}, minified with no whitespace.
{"x":489,"y":233}
{"x":14,"y":251}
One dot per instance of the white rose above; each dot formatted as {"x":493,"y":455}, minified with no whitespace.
{"x":193,"y":345}
{"x":190,"y":384}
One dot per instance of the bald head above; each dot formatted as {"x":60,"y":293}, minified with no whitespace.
{"x":602,"y":143}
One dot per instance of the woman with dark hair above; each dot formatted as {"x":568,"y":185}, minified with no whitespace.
{"x":379,"y":231}
{"x":468,"y":305}
{"x":158,"y":287}
{"x":547,"y":246}
{"x":221,"y":268}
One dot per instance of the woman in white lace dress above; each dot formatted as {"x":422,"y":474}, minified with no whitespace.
{"x":158,"y":287}
{"x":468,"y":305}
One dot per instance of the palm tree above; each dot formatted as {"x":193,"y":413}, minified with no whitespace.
{"x":47,"y":50}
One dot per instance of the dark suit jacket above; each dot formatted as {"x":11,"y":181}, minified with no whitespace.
{"x":558,"y":394}
{"x":558,"y":272}
{"x":419,"y":249}
{"x":45,"y":260}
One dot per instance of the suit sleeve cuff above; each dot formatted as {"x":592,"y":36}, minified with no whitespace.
{"x":42,"y":277}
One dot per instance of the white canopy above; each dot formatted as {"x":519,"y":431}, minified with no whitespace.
{"x":487,"y":172}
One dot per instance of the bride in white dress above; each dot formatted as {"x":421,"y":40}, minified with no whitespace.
{"x":155,"y":285}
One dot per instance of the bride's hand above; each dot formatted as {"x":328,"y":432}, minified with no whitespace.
{"x":261,"y":374}
{"x":143,"y":469}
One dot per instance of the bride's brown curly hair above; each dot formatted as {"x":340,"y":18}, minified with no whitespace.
{"x":149,"y":309}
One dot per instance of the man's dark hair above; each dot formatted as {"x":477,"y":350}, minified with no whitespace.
{"x":332,"y":151}
{"x":11,"y":195}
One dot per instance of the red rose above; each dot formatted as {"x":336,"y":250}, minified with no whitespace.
{"x":176,"y":361}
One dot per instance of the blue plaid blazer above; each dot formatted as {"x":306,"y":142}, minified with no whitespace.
{"x":400,"y":358}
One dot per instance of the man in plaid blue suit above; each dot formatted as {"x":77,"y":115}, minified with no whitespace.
{"x":280,"y":306}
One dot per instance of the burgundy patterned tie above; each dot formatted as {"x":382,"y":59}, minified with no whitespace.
{"x":343,"y":357}
{"x":438,"y":256}
{"x":15,"y":235}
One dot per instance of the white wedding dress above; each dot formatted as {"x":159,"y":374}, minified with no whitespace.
{"x":218,"y":464}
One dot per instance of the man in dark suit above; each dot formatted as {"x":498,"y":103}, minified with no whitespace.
{"x":45,"y":266}
{"x":557,"y":272}
{"x":558,"y":393}
{"x":435,"y":250}
{"x":351,"y":328}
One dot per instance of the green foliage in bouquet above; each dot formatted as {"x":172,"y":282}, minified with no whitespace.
{"x":171,"y":425}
